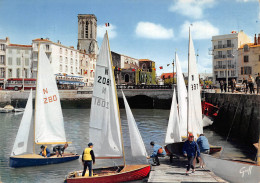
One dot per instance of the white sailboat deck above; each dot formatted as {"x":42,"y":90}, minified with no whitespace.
{"x":175,"y":172}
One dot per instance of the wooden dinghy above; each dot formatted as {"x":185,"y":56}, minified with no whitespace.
{"x":111,"y":174}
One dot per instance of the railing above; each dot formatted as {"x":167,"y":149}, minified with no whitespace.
{"x":224,"y":66}
{"x":144,"y":86}
{"x":223,"y":46}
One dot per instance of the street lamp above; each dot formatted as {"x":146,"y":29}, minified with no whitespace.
{"x":23,"y":71}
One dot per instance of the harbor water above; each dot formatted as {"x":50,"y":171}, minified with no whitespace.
{"x":152,"y":124}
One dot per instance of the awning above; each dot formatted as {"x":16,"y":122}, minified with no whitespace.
{"x":71,"y":82}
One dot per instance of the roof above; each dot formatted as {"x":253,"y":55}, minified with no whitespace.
{"x":41,"y":39}
{"x":142,"y":60}
{"x":251,"y":45}
{"x":20,"y":45}
{"x":167,"y":75}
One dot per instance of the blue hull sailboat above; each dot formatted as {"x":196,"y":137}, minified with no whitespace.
{"x":47,"y":126}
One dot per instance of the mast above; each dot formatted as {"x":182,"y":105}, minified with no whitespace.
{"x":122,"y":142}
{"x":188,"y":87}
{"x":36,"y":99}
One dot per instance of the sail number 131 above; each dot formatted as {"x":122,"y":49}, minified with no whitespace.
{"x":194,"y":86}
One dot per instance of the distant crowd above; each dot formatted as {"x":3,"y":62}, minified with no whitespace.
{"x":248,"y":85}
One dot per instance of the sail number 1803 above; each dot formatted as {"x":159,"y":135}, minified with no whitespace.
{"x":103,"y":80}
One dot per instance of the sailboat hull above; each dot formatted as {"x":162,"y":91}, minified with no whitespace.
{"x":233,"y":171}
{"x":37,"y":160}
{"x":128,"y":173}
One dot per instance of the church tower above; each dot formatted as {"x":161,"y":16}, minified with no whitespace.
{"x":87,"y":33}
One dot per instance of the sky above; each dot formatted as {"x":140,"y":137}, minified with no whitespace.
{"x":142,"y":29}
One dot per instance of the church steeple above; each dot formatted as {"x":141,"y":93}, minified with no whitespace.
{"x":87,"y":33}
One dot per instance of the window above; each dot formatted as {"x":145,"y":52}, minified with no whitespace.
{"x":86,"y":33}
{"x":26,"y":61}
{"x":221,"y":73}
{"x":71,"y":70}
{"x":60,"y":68}
{"x":219,"y":44}
{"x":246,"y":70}
{"x":66,"y":68}
{"x":2,"y":47}
{"x":61,"y":59}
{"x":228,"y":43}
{"x":229,"y":53}
{"x":47,"y":47}
{"x":246,"y":58}
{"x":71,"y":61}
{"x":10,"y":51}
{"x":2,"y":59}
{"x":60,"y":50}
{"x":219,"y":54}
{"x":233,"y":73}
{"x":18,"y":61}
{"x":66,"y":60}
{"x":10,"y":73}
{"x":18,"y":73}
{"x":10,"y":60}
{"x":246,"y":48}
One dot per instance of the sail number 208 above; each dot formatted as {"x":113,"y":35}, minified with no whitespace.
{"x":103,"y":80}
{"x":194,"y":86}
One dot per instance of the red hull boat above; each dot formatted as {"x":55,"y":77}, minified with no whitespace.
{"x":111,"y":174}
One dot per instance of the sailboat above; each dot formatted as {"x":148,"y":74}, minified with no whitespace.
{"x":47,"y":127}
{"x":190,"y":110}
{"x":105,"y":128}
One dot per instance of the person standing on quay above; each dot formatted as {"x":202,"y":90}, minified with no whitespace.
{"x":245,"y":85}
{"x":87,"y":158}
{"x":233,"y":85}
{"x":257,"y":80}
{"x":203,"y":144}
{"x":221,"y":86}
{"x":251,"y":84}
{"x":191,"y":150}
{"x":225,"y":86}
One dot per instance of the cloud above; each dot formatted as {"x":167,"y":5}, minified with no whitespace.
{"x":191,"y":8}
{"x":199,"y":30}
{"x":245,"y":1}
{"x":101,"y":30}
{"x":153,"y":31}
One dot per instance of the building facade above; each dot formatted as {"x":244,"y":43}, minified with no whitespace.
{"x":249,"y":59}
{"x":131,"y":71}
{"x":225,"y":55}
{"x":18,"y":61}
{"x":3,"y":43}
{"x":87,"y":34}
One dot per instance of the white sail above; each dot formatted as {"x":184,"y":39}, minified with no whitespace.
{"x":173,"y":131}
{"x":104,"y":131}
{"x":24,"y":138}
{"x":137,"y":144}
{"x":194,"y":99}
{"x":182,"y":98}
{"x":49,"y":126}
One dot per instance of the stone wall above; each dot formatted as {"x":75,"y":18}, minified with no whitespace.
{"x":239,"y":115}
